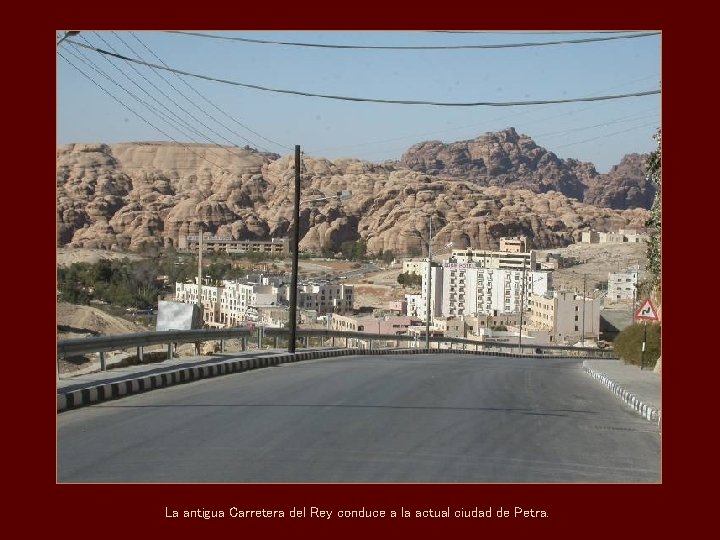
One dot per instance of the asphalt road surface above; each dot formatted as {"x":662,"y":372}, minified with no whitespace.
{"x":405,"y":418}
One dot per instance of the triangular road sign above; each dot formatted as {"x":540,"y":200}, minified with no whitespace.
{"x":647,"y":312}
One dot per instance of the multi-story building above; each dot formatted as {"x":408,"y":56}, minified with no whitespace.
{"x":435,"y":291}
{"x":371,"y":325}
{"x":623,"y":285}
{"x":412,"y":266}
{"x":469,"y":289}
{"x":325,"y":297}
{"x":227,"y":304}
{"x":277,"y":246}
{"x":514,"y":244}
{"x":563,"y":313}
{"x":496,"y":260}
{"x":493,"y":320}
{"x":413,"y":301}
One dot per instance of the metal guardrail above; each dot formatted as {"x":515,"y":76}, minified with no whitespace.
{"x":103,"y":344}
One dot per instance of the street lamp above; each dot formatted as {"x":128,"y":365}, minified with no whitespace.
{"x":295,"y":247}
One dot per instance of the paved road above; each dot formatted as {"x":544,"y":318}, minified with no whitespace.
{"x":414,"y":418}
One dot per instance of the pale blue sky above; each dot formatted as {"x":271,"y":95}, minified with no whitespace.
{"x":599,"y":132}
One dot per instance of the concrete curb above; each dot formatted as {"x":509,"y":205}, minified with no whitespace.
{"x":648,"y":412}
{"x":143,"y":383}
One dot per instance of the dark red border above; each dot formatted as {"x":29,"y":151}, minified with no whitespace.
{"x":109,"y":511}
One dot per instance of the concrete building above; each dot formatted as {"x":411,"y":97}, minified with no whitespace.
{"x":451,"y":326}
{"x":435,"y":292}
{"x":497,"y":260}
{"x":514,"y":244}
{"x":371,"y":325}
{"x":622,"y":285}
{"x":277,"y":246}
{"x":226,"y":304}
{"x":325,"y":297}
{"x":590,"y":237}
{"x":469,"y":289}
{"x":492,"y":320}
{"x":413,"y":304}
{"x":561,"y":314}
{"x":399,"y":307}
{"x":414,"y":266}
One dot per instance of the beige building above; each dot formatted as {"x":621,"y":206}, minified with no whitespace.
{"x":562,"y":313}
{"x":496,"y":260}
{"x":514,"y":244}
{"x":276,"y":246}
{"x":416,"y":267}
{"x":451,"y":326}
{"x":325,"y":297}
{"x":371,"y":325}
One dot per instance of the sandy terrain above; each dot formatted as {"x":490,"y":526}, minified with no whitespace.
{"x":68,"y":256}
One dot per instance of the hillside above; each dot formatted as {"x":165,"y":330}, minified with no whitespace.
{"x":128,"y":196}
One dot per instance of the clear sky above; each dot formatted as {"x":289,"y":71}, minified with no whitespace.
{"x":600,"y":132}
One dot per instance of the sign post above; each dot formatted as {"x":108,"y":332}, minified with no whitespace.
{"x":647,"y":312}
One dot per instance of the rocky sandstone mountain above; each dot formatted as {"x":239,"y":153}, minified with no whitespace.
{"x":510,"y":160}
{"x":127,"y":196}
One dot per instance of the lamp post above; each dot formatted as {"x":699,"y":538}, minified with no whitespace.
{"x":295,"y":247}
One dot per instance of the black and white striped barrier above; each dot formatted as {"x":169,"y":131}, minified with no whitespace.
{"x":648,"y":412}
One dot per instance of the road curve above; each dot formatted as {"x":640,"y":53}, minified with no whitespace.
{"x":404,"y":418}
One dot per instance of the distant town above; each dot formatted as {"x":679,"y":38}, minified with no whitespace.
{"x":503,"y":296}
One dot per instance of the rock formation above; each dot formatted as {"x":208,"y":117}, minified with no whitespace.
{"x":131,"y":195}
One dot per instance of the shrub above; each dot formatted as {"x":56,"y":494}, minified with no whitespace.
{"x":628,"y":344}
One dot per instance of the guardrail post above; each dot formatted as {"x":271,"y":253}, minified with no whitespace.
{"x":222,"y":345}
{"x":140,"y":354}
{"x":259,"y":337}
{"x":169,"y":354}
{"x":243,"y":342}
{"x":102,"y":361}
{"x":275,"y":342}
{"x":333,"y":341}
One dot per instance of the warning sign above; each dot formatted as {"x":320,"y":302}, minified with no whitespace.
{"x":647,"y":312}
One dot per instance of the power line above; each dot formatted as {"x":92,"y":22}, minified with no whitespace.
{"x":457,"y":128}
{"x":413,"y":47}
{"x":608,"y":134}
{"x":92,"y":65}
{"x":372,"y":100}
{"x":186,"y":123}
{"x":205,"y":99}
{"x":139,"y":116}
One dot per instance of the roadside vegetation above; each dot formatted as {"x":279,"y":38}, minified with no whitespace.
{"x":628,"y":344}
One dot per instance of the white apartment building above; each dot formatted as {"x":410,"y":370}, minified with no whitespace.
{"x":622,"y":285}
{"x":436,"y":290}
{"x":470,"y":290}
{"x":227,"y":304}
{"x":561,"y":314}
{"x":413,"y":304}
{"x":325,"y":297}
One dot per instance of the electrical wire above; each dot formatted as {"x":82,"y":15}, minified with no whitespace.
{"x":140,"y":116}
{"x":206,"y":100}
{"x":413,"y":47}
{"x":192,"y":128}
{"x":372,"y":100}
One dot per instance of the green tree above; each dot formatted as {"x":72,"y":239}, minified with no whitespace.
{"x":654,"y":222}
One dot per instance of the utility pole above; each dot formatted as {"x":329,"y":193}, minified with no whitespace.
{"x":295,"y":249}
{"x":583,"y":310}
{"x":200,"y":250}
{"x":429,"y":279}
